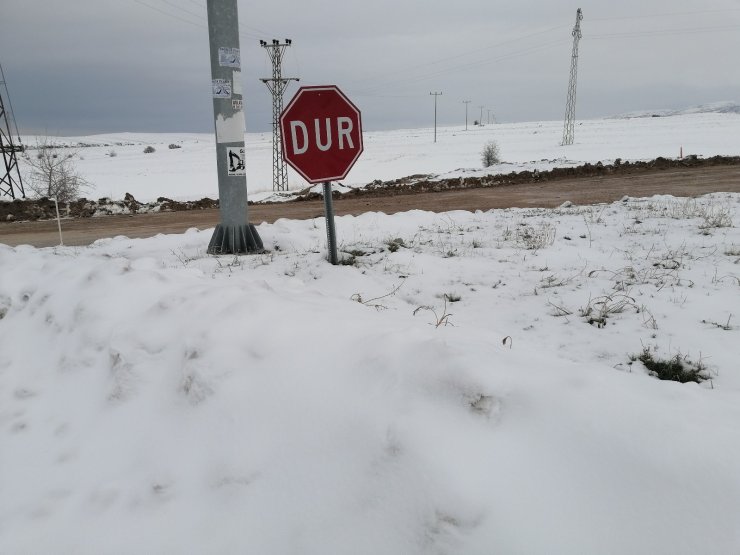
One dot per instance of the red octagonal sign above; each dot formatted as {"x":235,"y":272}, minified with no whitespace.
{"x":321,"y":133}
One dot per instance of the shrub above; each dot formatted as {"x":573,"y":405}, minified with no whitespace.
{"x":677,"y":369}
{"x":491,"y":154}
{"x":149,"y":150}
{"x":53,"y":174}
{"x":535,"y":238}
{"x":173,"y":146}
{"x":112,"y":153}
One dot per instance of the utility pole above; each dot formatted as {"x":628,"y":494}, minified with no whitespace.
{"x":480,"y":121}
{"x":489,"y":117}
{"x":234,"y":234}
{"x":435,"y":95}
{"x":277,"y":85}
{"x":570,"y":106}
{"x":466,"y":102}
{"x":10,"y":175}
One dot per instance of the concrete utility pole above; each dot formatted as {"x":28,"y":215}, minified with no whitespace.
{"x":489,"y":117}
{"x":480,"y":121}
{"x":435,"y":94}
{"x":570,"y":105}
{"x":277,"y":85}
{"x":234,"y":235}
{"x":466,"y":102}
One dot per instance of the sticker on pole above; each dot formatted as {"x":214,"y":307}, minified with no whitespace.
{"x":229,"y":57}
{"x":221,"y":88}
{"x":235,"y":161}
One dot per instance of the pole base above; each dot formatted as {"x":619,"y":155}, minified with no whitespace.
{"x":241,"y":239}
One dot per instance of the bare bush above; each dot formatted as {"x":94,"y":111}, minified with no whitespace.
{"x":52,"y":172}
{"x":491,"y":154}
{"x":535,"y":238}
{"x":149,"y":150}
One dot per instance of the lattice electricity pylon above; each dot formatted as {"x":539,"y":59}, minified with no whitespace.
{"x":277,"y":85}
{"x":570,"y":107}
{"x":10,"y":177}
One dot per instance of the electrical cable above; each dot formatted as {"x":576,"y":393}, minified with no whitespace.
{"x":662,"y":15}
{"x":10,"y":103}
{"x":261,"y":32}
{"x":170,"y":14}
{"x":466,"y":53}
{"x":663,"y":32}
{"x":477,"y":63}
{"x":202,"y":20}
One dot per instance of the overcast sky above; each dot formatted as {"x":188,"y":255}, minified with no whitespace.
{"x":96,"y":66}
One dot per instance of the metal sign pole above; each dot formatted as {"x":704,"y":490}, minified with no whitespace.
{"x":331,"y":236}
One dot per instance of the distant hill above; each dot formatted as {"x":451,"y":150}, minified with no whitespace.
{"x":726,"y":107}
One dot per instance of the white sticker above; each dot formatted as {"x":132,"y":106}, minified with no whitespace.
{"x":235,"y":160}
{"x":229,"y":57}
{"x":237,"y":104}
{"x":237,"y":82}
{"x":221,"y":88}
{"x":230,"y":130}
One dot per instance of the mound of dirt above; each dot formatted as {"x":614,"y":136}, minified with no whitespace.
{"x":43,"y":209}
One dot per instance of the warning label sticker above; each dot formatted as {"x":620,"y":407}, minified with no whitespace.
{"x":229,"y":57}
{"x":237,"y":104}
{"x":237,"y":81}
{"x":221,"y":88}
{"x":235,"y":162}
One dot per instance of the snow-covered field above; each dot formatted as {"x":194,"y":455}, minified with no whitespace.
{"x":466,"y":384}
{"x":189,"y":173}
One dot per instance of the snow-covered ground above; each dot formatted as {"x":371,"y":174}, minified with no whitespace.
{"x":466,"y":384}
{"x":189,"y":173}
{"x":445,"y":393}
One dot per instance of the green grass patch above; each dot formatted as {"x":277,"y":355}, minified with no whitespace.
{"x":677,"y":369}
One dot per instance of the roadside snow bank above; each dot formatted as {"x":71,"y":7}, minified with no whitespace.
{"x":154,"y":398}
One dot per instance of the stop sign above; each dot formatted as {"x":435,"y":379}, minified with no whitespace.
{"x":321,"y":133}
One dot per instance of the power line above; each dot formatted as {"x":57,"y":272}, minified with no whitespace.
{"x":663,"y":32}
{"x":277,"y":85}
{"x":457,"y":68}
{"x":10,"y":178}
{"x":241,"y":25}
{"x":4,"y":83}
{"x":570,"y":105}
{"x":665,"y":14}
{"x":435,"y":95}
{"x":180,"y":8}
{"x":201,"y":18}
{"x":168,"y":14}
{"x":458,"y":56}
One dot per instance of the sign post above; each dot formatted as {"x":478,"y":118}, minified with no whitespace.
{"x":321,"y":133}
{"x":234,"y":235}
{"x":331,"y":234}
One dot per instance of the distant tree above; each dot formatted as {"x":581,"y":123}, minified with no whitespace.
{"x":149,"y":150}
{"x":52,"y":172}
{"x":491,"y":154}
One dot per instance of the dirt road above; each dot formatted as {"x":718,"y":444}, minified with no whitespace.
{"x":677,"y":182}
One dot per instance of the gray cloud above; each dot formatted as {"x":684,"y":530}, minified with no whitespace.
{"x":86,"y":66}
